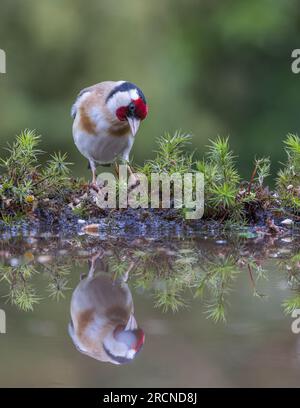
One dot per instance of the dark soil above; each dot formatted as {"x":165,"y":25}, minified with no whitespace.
{"x":131,"y":223}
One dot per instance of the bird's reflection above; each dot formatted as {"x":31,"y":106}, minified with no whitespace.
{"x":103,"y":325}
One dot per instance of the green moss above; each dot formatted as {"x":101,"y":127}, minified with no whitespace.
{"x":171,"y":156}
{"x":221,"y":182}
{"x":288,"y":180}
{"x":26,"y":185}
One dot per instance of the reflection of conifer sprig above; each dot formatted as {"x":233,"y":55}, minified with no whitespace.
{"x":58,"y":284}
{"x":217,"y":277}
{"x":291,"y":304}
{"x":170,"y":298}
{"x":168,"y":275}
{"x":216,"y":310}
{"x":21,"y":292}
{"x":292,"y":268}
{"x":256,"y":273}
{"x":23,"y":297}
{"x":57,"y":287}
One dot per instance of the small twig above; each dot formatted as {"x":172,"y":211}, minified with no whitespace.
{"x":253,"y":282}
{"x":126,"y":274}
{"x":252,"y":179}
{"x":297,"y":217}
{"x":41,"y":180}
{"x":251,"y":277}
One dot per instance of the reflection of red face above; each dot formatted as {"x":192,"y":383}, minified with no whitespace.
{"x":137,"y":108}
{"x":140,"y":336}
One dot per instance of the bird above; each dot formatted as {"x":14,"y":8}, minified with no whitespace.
{"x":102,"y":324}
{"x":106,"y":117}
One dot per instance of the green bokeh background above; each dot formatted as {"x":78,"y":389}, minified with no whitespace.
{"x":207,"y":67}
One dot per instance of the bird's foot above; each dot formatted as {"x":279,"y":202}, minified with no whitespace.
{"x":133,"y":184}
{"x":94,"y":186}
{"x":97,"y":185}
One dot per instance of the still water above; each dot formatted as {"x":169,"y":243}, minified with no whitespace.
{"x":111,"y":312}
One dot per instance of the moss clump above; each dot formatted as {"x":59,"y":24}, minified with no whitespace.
{"x":25,"y":184}
{"x":227,"y":197}
{"x":221,"y":180}
{"x":288,"y":180}
{"x":171,"y":156}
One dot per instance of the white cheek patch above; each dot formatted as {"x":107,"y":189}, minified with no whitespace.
{"x":118,"y":100}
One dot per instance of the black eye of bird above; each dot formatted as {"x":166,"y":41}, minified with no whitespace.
{"x":131,"y":108}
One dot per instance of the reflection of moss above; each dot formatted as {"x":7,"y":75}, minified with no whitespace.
{"x":292,"y":268}
{"x":167,"y":271}
{"x":291,"y":304}
{"x":22,"y":293}
{"x":217,"y":276}
{"x":58,"y":283}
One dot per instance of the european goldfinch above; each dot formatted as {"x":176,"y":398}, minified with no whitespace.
{"x":107,"y":117}
{"x":103,"y":325}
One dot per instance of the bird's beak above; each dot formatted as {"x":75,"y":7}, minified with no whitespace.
{"x":134,"y":124}
{"x":131,"y":324}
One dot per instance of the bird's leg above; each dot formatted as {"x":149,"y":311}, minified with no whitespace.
{"x":135,"y":180}
{"x":94,"y":179}
{"x":94,"y":258}
{"x":131,"y":171}
{"x":126,"y":274}
{"x":94,"y":176}
{"x":117,"y":169}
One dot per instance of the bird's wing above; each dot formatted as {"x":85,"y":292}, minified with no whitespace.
{"x":102,"y":88}
{"x":75,"y":105}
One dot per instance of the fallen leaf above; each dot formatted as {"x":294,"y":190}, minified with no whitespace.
{"x":91,"y":229}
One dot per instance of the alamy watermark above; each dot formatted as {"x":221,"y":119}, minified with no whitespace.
{"x":295,"y":66}
{"x":2,"y":62}
{"x":296,"y":323}
{"x":2,"y":322}
{"x":161,"y":190}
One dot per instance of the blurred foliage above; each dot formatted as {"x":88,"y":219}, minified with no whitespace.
{"x":210,"y":67}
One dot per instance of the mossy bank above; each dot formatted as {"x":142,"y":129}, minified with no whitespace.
{"x":47,"y":197}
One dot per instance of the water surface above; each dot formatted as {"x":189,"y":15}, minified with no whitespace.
{"x":210,"y":312}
